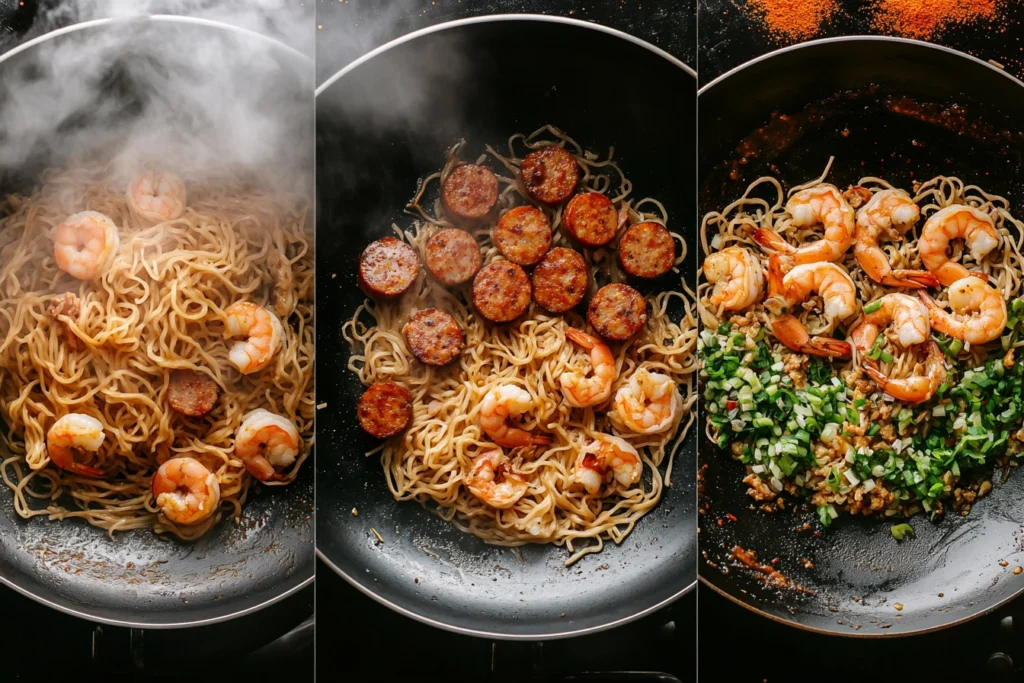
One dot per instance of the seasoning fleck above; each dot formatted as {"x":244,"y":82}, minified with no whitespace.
{"x":355,"y":512}
{"x":379,"y":537}
{"x":898,"y":606}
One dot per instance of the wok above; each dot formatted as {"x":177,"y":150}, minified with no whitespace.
{"x":383,"y":123}
{"x":905,"y":111}
{"x":137,"y":578}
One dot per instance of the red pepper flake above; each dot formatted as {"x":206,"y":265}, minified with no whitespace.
{"x":731,"y":405}
{"x":732,"y":517}
{"x":817,"y":534}
{"x":719,"y":522}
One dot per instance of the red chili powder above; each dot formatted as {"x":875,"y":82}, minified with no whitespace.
{"x":795,"y":19}
{"x":922,"y":19}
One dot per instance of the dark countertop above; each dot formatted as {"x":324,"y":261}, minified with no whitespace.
{"x":347,"y":29}
{"x":731,"y":33}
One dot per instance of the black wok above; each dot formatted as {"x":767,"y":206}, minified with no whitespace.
{"x":137,"y":578}
{"x":382,"y":124}
{"x":905,"y":111}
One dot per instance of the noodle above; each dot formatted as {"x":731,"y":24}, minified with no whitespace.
{"x":431,"y":461}
{"x":158,"y":308}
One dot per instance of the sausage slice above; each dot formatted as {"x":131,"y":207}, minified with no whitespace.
{"x":470,"y":192}
{"x":523,"y":235}
{"x":647,"y":250}
{"x":453,"y":256}
{"x":434,"y":336}
{"x":591,"y":218}
{"x":617,"y":312}
{"x":385,"y":409}
{"x":192,"y":393}
{"x":388,"y":267}
{"x":560,"y":280}
{"x":501,"y":291}
{"x":550,"y":174}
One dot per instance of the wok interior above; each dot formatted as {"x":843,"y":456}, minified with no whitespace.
{"x":945,"y":115}
{"x":380,"y":128}
{"x":138,"y":577}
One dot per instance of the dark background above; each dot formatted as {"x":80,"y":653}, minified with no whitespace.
{"x":730,"y":34}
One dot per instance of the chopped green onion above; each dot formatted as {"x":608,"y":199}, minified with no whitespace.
{"x":873,"y":306}
{"x":901,"y":530}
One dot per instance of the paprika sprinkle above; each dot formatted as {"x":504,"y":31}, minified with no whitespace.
{"x":792,"y":20}
{"x":922,"y":19}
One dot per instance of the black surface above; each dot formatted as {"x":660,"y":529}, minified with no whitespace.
{"x":951,"y":571}
{"x":349,"y":29}
{"x":379,"y":129}
{"x":730,"y":34}
{"x":138,"y":577}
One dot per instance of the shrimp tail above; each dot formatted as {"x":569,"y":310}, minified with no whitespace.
{"x":776,"y":302}
{"x":912,"y":389}
{"x":773,"y":241}
{"x":582,"y":338}
{"x":540,"y":440}
{"x":910,"y":279}
{"x":791,"y":332}
{"x":83,"y":470}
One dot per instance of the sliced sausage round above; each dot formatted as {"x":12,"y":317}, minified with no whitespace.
{"x":453,"y":256}
{"x":470,"y":192}
{"x":591,"y":218}
{"x":388,"y":267}
{"x":434,"y":336}
{"x":501,"y":291}
{"x":192,"y":393}
{"x":617,"y":312}
{"x":550,"y":174}
{"x":385,"y":409}
{"x":523,"y":235}
{"x":647,"y":250}
{"x":560,"y":280}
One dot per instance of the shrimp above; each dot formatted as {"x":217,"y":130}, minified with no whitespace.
{"x":736,"y":274}
{"x":581,"y":391}
{"x":916,"y":388}
{"x":185,"y":490}
{"x":822,"y":204}
{"x":503,"y":403}
{"x":978,"y":311}
{"x":157,"y":197}
{"x":890,"y":212}
{"x":956,"y":222}
{"x":790,"y":290}
{"x":84,"y":245}
{"x":266,"y":442}
{"x":263,"y":329}
{"x":493,"y":481}
{"x":648,"y":403}
{"x":604,"y":459}
{"x":71,"y":433}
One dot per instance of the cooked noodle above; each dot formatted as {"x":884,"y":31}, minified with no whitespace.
{"x":431,"y":461}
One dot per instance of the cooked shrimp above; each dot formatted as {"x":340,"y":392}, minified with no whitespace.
{"x":85,"y":244}
{"x":736,"y":274}
{"x":157,"y":197}
{"x":607,"y":458}
{"x":955,"y":222}
{"x":185,"y":490}
{"x":648,"y":403}
{"x":580,"y":390}
{"x":71,"y":433}
{"x":978,"y":311}
{"x":788,"y":291}
{"x":822,"y":204}
{"x":908,"y":315}
{"x":892,"y":213}
{"x":266,"y":443}
{"x":493,"y":481}
{"x":916,"y":388}
{"x":504,"y":403}
{"x":263,"y":329}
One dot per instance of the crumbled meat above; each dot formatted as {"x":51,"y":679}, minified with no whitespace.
{"x":64,"y":308}
{"x":758,"y":490}
{"x":795,"y":366}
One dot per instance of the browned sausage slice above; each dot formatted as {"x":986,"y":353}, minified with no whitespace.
{"x":550,"y":174}
{"x":470,"y":192}
{"x":192,"y":393}
{"x":617,"y":312}
{"x":523,"y":235}
{"x":560,"y":280}
{"x":591,"y":218}
{"x":501,"y":291}
{"x":434,"y":336}
{"x":388,"y":267}
{"x":385,"y":409}
{"x":453,"y":256}
{"x":647,"y":250}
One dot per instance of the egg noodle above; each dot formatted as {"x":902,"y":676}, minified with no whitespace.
{"x":431,"y":460}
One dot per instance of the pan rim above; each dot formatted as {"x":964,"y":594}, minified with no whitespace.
{"x":304,"y":581}
{"x":700,"y":576}
{"x":326,"y":85}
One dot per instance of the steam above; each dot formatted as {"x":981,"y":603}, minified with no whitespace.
{"x":188,"y":97}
